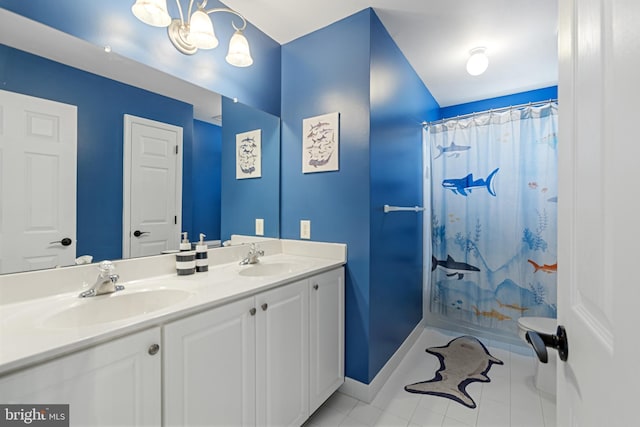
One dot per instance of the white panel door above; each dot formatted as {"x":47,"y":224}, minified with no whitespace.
{"x":113,"y":384}
{"x":38,"y":140}
{"x":598,"y":293}
{"x":209,"y":368}
{"x":326,"y":336}
{"x":153,"y":187}
{"x":282,"y":346}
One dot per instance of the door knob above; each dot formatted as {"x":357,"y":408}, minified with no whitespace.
{"x":64,"y":242}
{"x":264,"y":306}
{"x":540,"y":342}
{"x":139,"y":233}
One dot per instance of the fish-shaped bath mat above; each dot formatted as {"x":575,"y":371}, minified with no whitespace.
{"x":463,"y":361}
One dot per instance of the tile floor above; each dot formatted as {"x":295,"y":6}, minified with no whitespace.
{"x":510,"y":399}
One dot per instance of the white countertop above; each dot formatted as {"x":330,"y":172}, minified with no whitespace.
{"x":28,"y":336}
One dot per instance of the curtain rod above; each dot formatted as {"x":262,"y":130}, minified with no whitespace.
{"x":493,"y":110}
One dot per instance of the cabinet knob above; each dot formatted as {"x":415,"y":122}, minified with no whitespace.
{"x":252,"y":311}
{"x":264,"y":306}
{"x":153,"y":349}
{"x":315,"y":286}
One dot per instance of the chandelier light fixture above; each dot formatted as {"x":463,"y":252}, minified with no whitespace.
{"x":478,"y":61}
{"x":196,"y":32}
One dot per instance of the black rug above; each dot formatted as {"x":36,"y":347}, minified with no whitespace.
{"x":463,"y":361}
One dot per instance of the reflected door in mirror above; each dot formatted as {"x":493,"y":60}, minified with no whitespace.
{"x":153,"y":188}
{"x":38,"y":140}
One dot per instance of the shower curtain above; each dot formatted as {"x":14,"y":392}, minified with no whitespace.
{"x":494,"y":208}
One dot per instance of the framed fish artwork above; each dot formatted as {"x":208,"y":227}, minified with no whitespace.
{"x":249,"y":154}
{"x":321,"y":143}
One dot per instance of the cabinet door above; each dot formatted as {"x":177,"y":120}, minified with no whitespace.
{"x":209,"y":368}
{"x":282,"y":375}
{"x":112,"y":384}
{"x":326,"y":336}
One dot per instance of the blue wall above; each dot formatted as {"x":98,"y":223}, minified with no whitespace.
{"x":399,"y":103}
{"x":351,"y":67}
{"x":543,"y":94}
{"x":101,"y":105}
{"x":354,"y":68}
{"x":112,"y":23}
{"x":323,"y":72}
{"x":244,"y":200}
{"x":206,"y":179}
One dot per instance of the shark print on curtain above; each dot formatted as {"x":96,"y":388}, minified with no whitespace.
{"x":494,"y":208}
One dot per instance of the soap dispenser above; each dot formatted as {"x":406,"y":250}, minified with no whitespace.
{"x":184,"y":244}
{"x":202,"y":262}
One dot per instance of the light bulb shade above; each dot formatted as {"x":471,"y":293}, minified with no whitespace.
{"x":152,"y":12}
{"x":478,"y":62}
{"x":201,"y":33}
{"x":239,"y":54}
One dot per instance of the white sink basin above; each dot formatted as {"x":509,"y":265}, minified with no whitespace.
{"x":112,"y":307}
{"x":272,"y":269}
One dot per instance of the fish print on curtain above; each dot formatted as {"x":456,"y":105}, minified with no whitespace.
{"x":494,"y":217}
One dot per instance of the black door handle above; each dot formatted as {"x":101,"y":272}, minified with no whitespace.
{"x":64,"y":242}
{"x":139,"y":233}
{"x":540,"y":342}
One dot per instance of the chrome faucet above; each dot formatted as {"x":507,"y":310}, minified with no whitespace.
{"x":105,"y":283}
{"x":252,"y":256}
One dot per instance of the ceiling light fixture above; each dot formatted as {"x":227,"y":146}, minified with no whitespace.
{"x":197,"y":31}
{"x":478,"y":61}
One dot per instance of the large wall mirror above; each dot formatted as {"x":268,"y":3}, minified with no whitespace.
{"x":105,"y":87}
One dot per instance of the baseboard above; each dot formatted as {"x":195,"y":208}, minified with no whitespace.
{"x":367,"y":392}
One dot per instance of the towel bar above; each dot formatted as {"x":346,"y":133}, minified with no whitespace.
{"x":388,"y":209}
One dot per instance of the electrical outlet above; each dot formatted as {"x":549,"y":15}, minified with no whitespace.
{"x":259,"y":227}
{"x":305,"y":229}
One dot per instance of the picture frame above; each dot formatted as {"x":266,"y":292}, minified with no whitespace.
{"x":249,"y":154}
{"x":321,"y":143}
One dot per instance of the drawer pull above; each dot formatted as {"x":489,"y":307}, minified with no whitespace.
{"x":252,"y":311}
{"x":264,"y":306}
{"x":315,"y":286}
{"x":153,"y":349}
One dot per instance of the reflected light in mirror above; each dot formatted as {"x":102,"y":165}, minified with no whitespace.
{"x":152,"y":12}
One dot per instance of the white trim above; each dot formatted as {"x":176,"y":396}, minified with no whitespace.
{"x":129,"y":120}
{"x":126,"y":187}
{"x":367,"y":392}
{"x":426,"y":222}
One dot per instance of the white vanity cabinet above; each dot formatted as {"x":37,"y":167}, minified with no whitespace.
{"x":117,"y":383}
{"x":269,"y":359}
{"x":266,"y":360}
{"x":209,"y":367}
{"x":326,"y":336}
{"x":241,"y":364}
{"x":282,"y":356}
